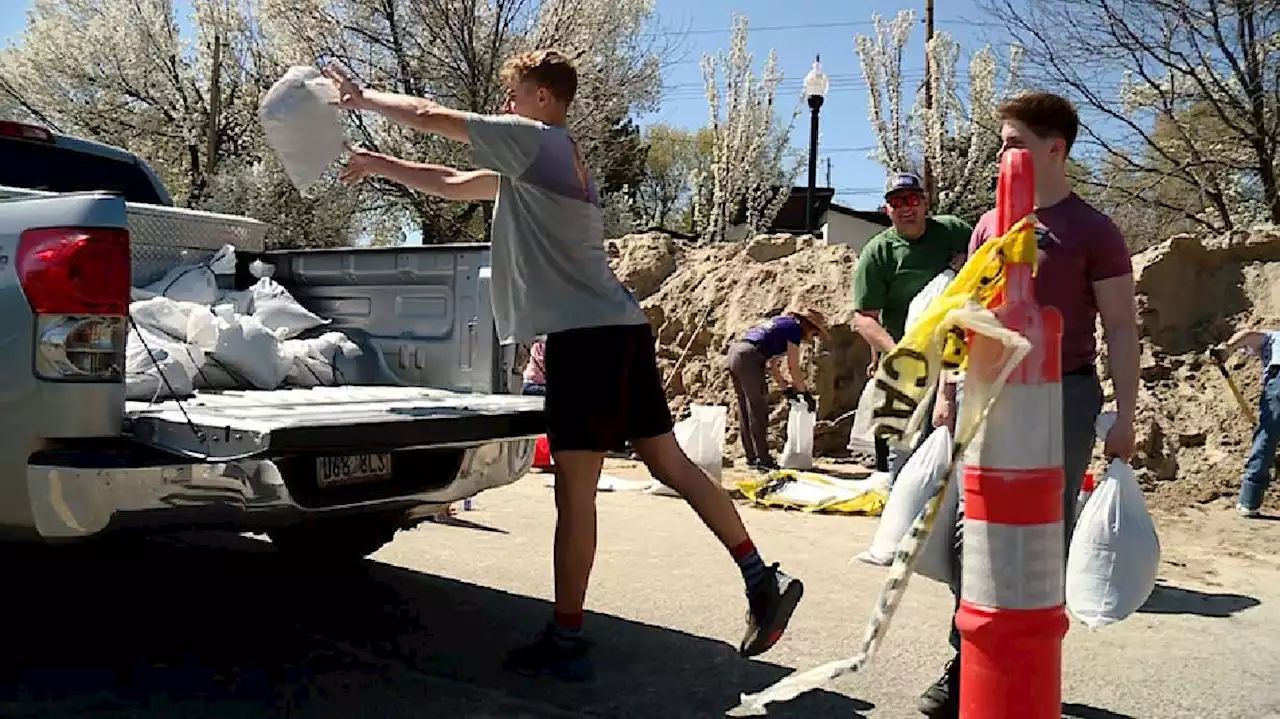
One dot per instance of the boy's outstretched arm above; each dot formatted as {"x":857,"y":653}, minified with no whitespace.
{"x":446,"y":182}
{"x":419,"y":113}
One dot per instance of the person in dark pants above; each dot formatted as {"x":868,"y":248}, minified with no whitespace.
{"x":757,"y":356}
{"x":1085,"y":272}
{"x":551,"y":277}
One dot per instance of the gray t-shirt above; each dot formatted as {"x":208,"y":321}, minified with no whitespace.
{"x":550,"y":269}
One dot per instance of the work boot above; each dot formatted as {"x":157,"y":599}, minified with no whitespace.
{"x":942,"y":700}
{"x":770,"y":608}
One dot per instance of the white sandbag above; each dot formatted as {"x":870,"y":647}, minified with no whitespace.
{"x":797,"y":451}
{"x":276,"y":309}
{"x":196,"y":283}
{"x":862,"y":436}
{"x":937,"y":558}
{"x":239,"y":301}
{"x":302,"y":125}
{"x":1115,"y":552}
{"x":928,"y":294}
{"x":313,"y":362}
{"x":242,"y":345}
{"x":917,"y":481}
{"x":701,"y":436}
{"x":158,"y":366}
{"x":162,"y":314}
{"x":260,"y":269}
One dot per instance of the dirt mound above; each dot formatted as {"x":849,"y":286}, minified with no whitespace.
{"x":1193,"y":293}
{"x":701,"y":299}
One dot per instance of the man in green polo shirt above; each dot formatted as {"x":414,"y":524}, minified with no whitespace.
{"x":896,"y":264}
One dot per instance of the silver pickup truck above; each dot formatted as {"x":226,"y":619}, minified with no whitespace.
{"x":423,"y":418}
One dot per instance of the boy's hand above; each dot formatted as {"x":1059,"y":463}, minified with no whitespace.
{"x":350,"y":95}
{"x":361,"y":163}
{"x":810,"y":400}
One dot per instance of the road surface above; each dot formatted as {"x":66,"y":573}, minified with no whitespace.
{"x":218,"y":626}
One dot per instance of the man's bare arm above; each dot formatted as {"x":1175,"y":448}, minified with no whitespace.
{"x":867,"y":324}
{"x":1119,"y":314}
{"x":798,"y":379}
{"x":438,"y":180}
{"x":419,"y":113}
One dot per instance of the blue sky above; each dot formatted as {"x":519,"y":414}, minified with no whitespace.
{"x":797,"y":30}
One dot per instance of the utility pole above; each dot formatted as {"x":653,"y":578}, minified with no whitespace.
{"x":928,"y":98}
{"x":828,"y":172}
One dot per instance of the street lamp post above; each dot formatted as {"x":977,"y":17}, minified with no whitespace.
{"x":815,"y":91}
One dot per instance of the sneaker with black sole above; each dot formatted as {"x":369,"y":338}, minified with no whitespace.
{"x":942,"y":700}
{"x":765,"y":466}
{"x":553,"y":657}
{"x":770,"y":608}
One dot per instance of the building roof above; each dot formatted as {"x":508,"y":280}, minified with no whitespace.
{"x":791,"y":217}
{"x":877,"y":217}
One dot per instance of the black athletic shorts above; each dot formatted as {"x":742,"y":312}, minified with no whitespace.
{"x":603,"y":388}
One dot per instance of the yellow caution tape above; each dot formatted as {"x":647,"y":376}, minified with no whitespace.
{"x":909,"y":371}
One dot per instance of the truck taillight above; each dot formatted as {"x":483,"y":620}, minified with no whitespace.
{"x":76,"y":281}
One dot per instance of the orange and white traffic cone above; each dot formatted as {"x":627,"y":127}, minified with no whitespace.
{"x":1011,"y":617}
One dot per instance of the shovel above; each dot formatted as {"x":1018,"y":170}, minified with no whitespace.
{"x":1216,"y":356}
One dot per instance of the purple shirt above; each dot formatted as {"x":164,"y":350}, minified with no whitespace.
{"x":772,"y":337}
{"x":1078,"y":246}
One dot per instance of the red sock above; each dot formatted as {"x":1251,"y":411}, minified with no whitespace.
{"x":569,"y":621}
{"x":742,"y":550}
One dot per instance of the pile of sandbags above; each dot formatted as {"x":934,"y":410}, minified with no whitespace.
{"x":186,"y":334}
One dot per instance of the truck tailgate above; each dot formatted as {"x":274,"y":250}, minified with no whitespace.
{"x":239,"y":424}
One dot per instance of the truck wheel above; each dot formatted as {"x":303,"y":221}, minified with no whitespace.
{"x":344,"y":539}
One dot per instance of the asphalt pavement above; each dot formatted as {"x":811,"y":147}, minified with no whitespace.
{"x":220,"y":626}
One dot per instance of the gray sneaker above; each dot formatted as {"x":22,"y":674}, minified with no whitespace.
{"x":1246,"y":512}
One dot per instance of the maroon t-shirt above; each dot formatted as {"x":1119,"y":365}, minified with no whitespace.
{"x":1078,"y":246}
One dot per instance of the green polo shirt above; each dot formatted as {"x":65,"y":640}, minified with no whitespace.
{"x":891,"y":270}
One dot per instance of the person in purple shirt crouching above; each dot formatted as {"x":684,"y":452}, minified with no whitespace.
{"x":757,"y":356}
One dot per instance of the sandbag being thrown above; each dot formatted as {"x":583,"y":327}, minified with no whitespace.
{"x":302,"y":125}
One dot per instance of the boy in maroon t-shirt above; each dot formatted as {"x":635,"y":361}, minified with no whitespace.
{"x":1084,"y":271}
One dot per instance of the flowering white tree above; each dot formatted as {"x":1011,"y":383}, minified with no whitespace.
{"x":751,"y":175}
{"x":1193,"y":128}
{"x":453,"y":50}
{"x":122,"y":73}
{"x":960,"y":139}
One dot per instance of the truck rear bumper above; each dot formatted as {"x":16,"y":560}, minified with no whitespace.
{"x":69,"y":503}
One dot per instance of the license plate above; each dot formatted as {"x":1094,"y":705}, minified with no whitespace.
{"x":352,"y":468}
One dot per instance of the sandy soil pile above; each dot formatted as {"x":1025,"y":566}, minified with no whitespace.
{"x":701,"y":299}
{"x":1192,"y":293}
